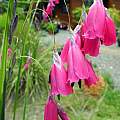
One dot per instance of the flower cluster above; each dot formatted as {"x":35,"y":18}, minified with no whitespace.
{"x":50,"y":7}
{"x":97,"y":28}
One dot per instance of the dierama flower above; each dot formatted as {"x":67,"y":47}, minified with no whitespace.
{"x":51,"y":111}
{"x":95,"y":21}
{"x":110,"y":31}
{"x":49,"y":9}
{"x":78,"y":67}
{"x":58,"y":78}
{"x":98,"y":28}
{"x":74,"y":58}
{"x":92,"y":79}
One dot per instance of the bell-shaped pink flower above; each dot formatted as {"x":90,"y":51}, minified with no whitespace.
{"x":110,"y":31}
{"x":51,"y":111}
{"x":95,"y":21}
{"x":77,"y":67}
{"x":92,"y":79}
{"x":93,"y":29}
{"x":49,"y":9}
{"x":58,"y":78}
{"x":62,"y":114}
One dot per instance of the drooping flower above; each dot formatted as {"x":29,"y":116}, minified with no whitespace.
{"x":78,"y":67}
{"x":58,"y":78}
{"x":95,"y":21}
{"x":49,"y":9}
{"x":97,"y":29}
{"x":62,"y":114}
{"x":110,"y":31}
{"x":93,"y":29}
{"x":92,"y":79}
{"x":75,"y":59}
{"x":51,"y":110}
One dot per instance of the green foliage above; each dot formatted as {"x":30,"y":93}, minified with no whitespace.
{"x":77,"y":13}
{"x":108,"y":79}
{"x":2,"y":21}
{"x":51,"y":27}
{"x":115,"y":14}
{"x":43,"y":25}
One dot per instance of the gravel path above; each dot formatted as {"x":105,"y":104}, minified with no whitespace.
{"x":108,"y":59}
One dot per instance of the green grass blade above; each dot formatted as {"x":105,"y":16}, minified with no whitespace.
{"x":4,"y":58}
{"x":21,"y":60}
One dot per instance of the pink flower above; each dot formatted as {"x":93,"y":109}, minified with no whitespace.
{"x":9,"y":52}
{"x":93,"y":29}
{"x":79,"y":68}
{"x":49,"y":9}
{"x":51,"y":112}
{"x":95,"y":21}
{"x":98,"y":28}
{"x":76,"y":62}
{"x":58,"y":78}
{"x":109,"y":31}
{"x":92,"y":79}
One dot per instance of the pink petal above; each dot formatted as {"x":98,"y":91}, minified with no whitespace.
{"x":49,"y":9}
{"x":91,"y":46}
{"x":95,"y":21}
{"x":59,"y":84}
{"x":110,"y":32}
{"x":64,"y":53}
{"x":92,"y":76}
{"x":80,"y":66}
{"x":51,"y":112}
{"x":72,"y":77}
